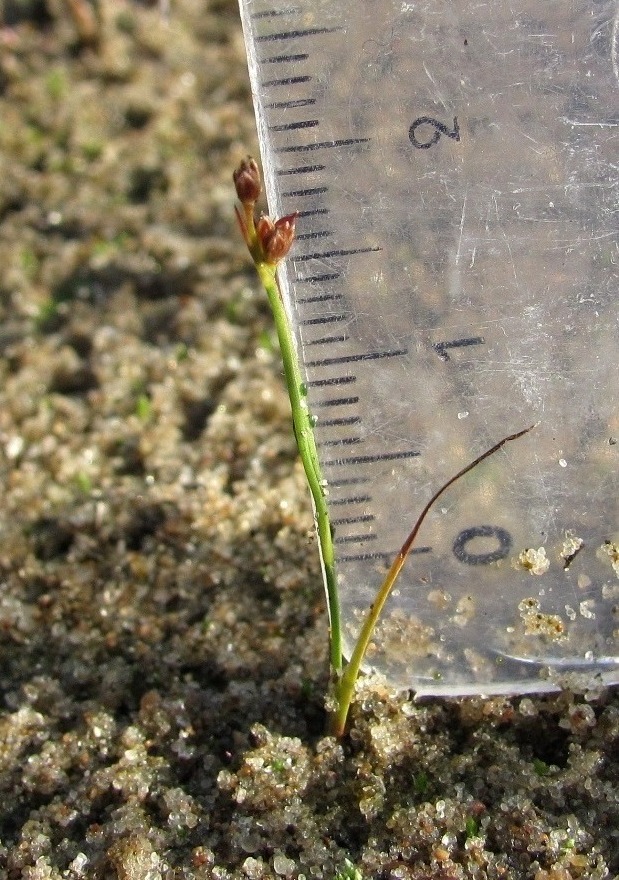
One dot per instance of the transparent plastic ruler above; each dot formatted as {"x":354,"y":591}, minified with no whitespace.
{"x":455,"y":166}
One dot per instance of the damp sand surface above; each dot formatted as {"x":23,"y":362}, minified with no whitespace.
{"x":163,"y":638}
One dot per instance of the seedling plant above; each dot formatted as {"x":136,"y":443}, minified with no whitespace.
{"x":268,"y":242}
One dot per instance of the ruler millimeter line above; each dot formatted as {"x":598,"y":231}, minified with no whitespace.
{"x":286,"y":81}
{"x":332,"y":380}
{"x":342,"y":252}
{"x":310,"y":191}
{"x":297,"y":34}
{"x":275,"y":13}
{"x":282,"y":59}
{"x":354,"y":499}
{"x":349,"y":420}
{"x":385,"y":556}
{"x":355,"y":460}
{"x":322,"y":145}
{"x":316,"y":279}
{"x":326,"y":340}
{"x":355,"y":539}
{"x":285,"y":105}
{"x":355,"y":358}
{"x":335,"y":401}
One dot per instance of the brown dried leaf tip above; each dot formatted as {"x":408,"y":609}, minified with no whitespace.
{"x":268,"y":240}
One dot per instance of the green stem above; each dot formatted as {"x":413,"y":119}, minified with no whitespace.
{"x":304,"y":434}
{"x":345,"y":688}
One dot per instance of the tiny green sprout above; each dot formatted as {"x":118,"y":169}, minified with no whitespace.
{"x":268,"y":242}
{"x":420,"y":782}
{"x":278,"y":765}
{"x":471,"y":828}
{"x":144,"y":408}
{"x":48,"y":315}
{"x":29,"y":262}
{"x":92,"y":149}
{"x":540,"y":767}
{"x":83,"y":482}
{"x":181,"y":352}
{"x":56,"y":84}
{"x":349,"y":872}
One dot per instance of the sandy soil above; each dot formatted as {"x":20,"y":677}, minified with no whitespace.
{"x":162,"y":626}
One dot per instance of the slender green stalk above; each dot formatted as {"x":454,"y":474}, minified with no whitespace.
{"x":268,"y":242}
{"x":345,"y":688}
{"x":306,"y":443}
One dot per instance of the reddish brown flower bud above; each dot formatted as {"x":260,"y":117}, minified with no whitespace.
{"x":247,"y":181}
{"x":276,"y":237}
{"x":264,"y":228}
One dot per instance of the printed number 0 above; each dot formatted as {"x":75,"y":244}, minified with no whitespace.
{"x":501,"y":536}
{"x":439,"y":129}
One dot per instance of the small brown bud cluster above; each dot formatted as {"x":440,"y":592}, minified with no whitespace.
{"x":276,"y":237}
{"x":268,"y":240}
{"x":247,"y":181}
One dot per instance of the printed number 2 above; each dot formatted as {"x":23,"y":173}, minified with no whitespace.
{"x":439,"y":129}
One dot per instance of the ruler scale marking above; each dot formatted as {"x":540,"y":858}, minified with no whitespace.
{"x":326,"y":340}
{"x":281,"y":59}
{"x":337,"y":401}
{"x":355,"y":358}
{"x":295,"y":35}
{"x":356,"y":499}
{"x":300,"y":193}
